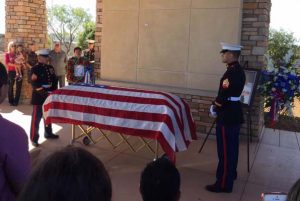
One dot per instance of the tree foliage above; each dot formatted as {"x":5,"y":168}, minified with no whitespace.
{"x":280,"y":43}
{"x":65,"y":22}
{"x":88,"y":33}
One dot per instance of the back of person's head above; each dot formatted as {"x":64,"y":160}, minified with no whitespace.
{"x":160,"y":181}
{"x":294,"y":193}
{"x":69,"y":174}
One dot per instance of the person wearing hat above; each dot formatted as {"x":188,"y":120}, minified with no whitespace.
{"x":43,"y":81}
{"x":228,"y":110}
{"x":90,"y":52}
{"x":58,"y":60}
{"x":90,"y":55}
{"x":76,"y":67}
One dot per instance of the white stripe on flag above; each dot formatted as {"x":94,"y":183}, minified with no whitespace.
{"x":124,"y":106}
{"x":119,"y":122}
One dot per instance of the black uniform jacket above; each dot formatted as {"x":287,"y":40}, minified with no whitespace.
{"x":231,"y":85}
{"x":45,"y":76}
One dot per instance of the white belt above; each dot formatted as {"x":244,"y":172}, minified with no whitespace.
{"x":234,"y":99}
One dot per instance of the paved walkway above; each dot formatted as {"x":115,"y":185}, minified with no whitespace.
{"x":275,"y":162}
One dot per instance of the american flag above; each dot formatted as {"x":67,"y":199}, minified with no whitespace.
{"x":150,"y":114}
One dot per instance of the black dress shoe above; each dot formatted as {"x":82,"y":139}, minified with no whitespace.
{"x":35,"y":144}
{"x":51,"y":136}
{"x":216,"y":189}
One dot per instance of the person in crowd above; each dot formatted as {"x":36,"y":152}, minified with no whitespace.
{"x":43,"y":81}
{"x":228,"y":109}
{"x":89,"y":54}
{"x":10,"y":57}
{"x":20,"y":61}
{"x":31,"y":58}
{"x":76,"y":67}
{"x":67,"y":175}
{"x":160,"y":181}
{"x":58,"y":60}
{"x":294,"y":193}
{"x":14,"y":155}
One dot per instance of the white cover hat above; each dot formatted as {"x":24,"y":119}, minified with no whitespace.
{"x":91,"y":41}
{"x":43,"y":52}
{"x":230,"y":47}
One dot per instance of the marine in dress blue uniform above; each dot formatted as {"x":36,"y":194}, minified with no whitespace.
{"x":43,"y":80}
{"x":229,"y":114}
{"x":89,"y":54}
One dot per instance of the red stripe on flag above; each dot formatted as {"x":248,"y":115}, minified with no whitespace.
{"x":126,"y":99}
{"x":191,"y":122}
{"x":142,"y":116}
{"x":150,"y":92}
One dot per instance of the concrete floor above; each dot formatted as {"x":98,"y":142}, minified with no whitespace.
{"x":275,"y":162}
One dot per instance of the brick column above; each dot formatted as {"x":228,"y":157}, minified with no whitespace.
{"x":98,"y":34}
{"x":254,"y":38}
{"x":26,"y":21}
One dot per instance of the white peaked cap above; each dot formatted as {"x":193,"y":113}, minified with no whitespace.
{"x":91,"y":41}
{"x":230,"y":47}
{"x":43,"y":52}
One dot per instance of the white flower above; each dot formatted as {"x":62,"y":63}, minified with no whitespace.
{"x":288,"y":56}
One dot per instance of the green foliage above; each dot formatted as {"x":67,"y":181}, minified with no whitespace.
{"x":280,"y":43}
{"x":88,"y":33}
{"x":64,"y":23}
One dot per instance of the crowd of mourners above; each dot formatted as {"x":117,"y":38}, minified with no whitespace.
{"x":18,"y":58}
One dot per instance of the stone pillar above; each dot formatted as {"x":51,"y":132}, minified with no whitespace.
{"x":254,"y":38}
{"x":26,"y":20}
{"x":98,"y":34}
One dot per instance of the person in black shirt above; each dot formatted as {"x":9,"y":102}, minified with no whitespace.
{"x":228,"y":110}
{"x":43,"y":81}
{"x":31,"y":58}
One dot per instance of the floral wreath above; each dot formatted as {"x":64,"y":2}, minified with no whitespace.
{"x":280,"y":84}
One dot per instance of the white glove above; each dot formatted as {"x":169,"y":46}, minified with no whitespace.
{"x":212,"y":111}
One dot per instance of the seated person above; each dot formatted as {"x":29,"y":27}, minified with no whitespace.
{"x":160,"y":181}
{"x":69,"y":174}
{"x":14,"y":155}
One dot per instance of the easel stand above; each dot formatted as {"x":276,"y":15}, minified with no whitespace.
{"x":249,"y":135}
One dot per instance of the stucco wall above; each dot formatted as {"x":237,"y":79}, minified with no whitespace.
{"x":168,"y":43}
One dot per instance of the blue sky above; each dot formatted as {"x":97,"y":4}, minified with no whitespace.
{"x":285,"y":14}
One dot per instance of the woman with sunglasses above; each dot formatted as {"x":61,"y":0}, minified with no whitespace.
{"x":10,"y":57}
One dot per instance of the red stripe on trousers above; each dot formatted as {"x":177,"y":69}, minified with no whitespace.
{"x":33,"y":123}
{"x":225,"y":158}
